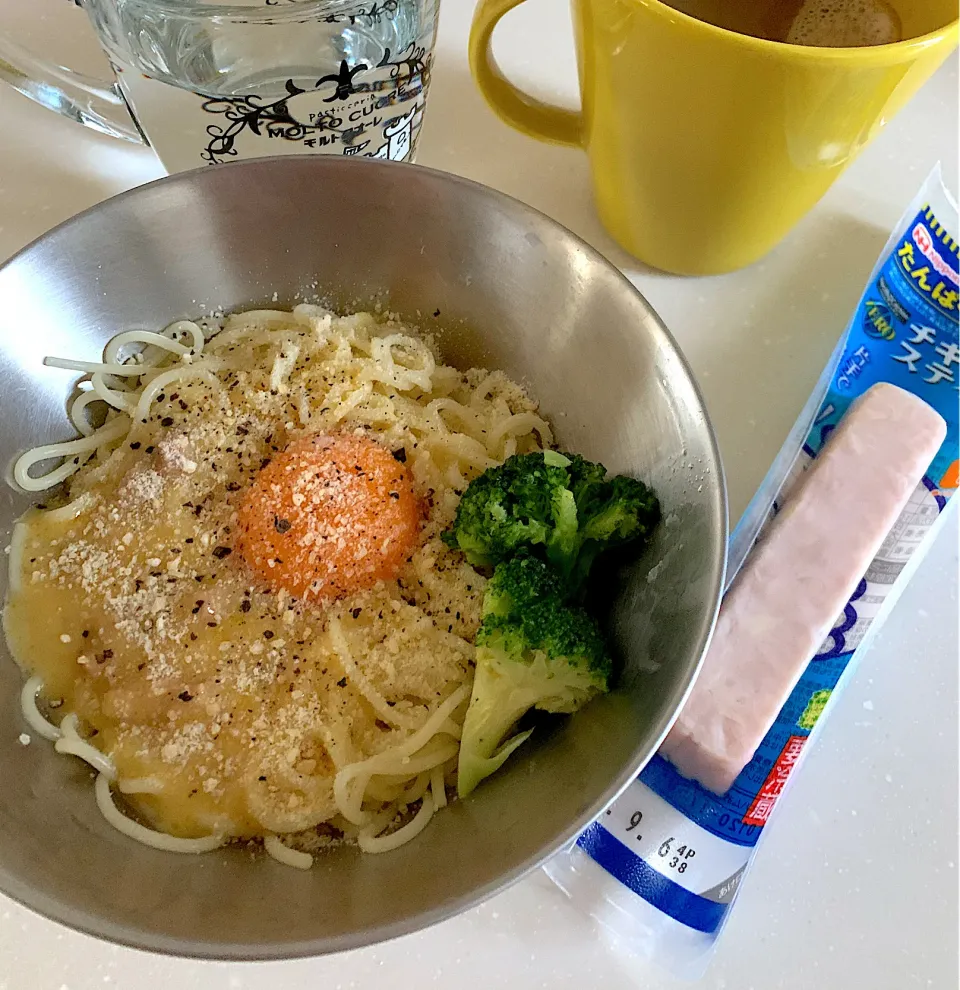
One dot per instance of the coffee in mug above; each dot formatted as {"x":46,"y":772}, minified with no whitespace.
{"x":817,"y":23}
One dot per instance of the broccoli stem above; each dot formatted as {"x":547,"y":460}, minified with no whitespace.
{"x":472,"y":768}
{"x":495,"y":707}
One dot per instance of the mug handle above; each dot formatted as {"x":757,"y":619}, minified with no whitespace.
{"x":92,"y":102}
{"x":511,"y":104}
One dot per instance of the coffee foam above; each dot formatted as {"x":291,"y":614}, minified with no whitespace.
{"x":845,"y":24}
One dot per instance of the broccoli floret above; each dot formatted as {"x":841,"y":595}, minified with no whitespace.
{"x":561,"y":506}
{"x":611,"y":513}
{"x":533,"y":651}
{"x":585,"y":477}
{"x":523,"y":502}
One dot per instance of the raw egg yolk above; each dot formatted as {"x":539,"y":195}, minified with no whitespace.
{"x":328,"y":516}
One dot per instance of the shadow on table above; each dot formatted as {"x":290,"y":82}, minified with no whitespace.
{"x":757,"y":371}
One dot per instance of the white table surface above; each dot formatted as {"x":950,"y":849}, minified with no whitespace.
{"x":856,"y":881}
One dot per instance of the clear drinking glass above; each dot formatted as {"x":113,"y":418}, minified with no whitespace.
{"x":219,"y":80}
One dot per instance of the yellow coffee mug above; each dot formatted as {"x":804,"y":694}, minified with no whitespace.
{"x":707,"y":146}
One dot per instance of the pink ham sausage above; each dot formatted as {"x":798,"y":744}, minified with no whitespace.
{"x":799,"y":577}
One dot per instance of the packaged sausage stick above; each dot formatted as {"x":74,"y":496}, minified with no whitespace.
{"x":798,"y":579}
{"x":848,"y":515}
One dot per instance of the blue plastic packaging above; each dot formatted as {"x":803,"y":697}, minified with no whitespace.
{"x":660,"y":870}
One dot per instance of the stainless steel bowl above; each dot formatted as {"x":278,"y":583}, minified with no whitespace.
{"x":506,"y":288}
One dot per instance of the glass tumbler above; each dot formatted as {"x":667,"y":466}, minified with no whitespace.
{"x":220,"y":80}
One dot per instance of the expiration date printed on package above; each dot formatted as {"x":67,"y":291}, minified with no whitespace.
{"x":679,"y":850}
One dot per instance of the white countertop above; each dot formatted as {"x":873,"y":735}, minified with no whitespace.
{"x":826,"y":903}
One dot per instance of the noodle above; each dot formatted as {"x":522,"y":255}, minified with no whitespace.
{"x":85,"y":447}
{"x":140,"y":785}
{"x":94,"y":367}
{"x":387,"y":712}
{"x":403,"y":376}
{"x":28,"y":705}
{"x":286,"y":855}
{"x":438,"y":788}
{"x":111,"y":353}
{"x":282,"y":366}
{"x":272,"y":716}
{"x":398,"y":760}
{"x":520,"y":424}
{"x":78,"y":408}
{"x":147,"y":836}
{"x":166,"y":378}
{"x":70,"y":742}
{"x":350,"y":796}
{"x":15,"y":551}
{"x":370,"y":842}
{"x":72,"y":509}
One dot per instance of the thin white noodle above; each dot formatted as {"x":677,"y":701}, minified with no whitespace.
{"x":412,"y":413}
{"x":401,"y":375}
{"x":392,"y":761}
{"x":53,"y":478}
{"x":416,"y":790}
{"x":376,"y":409}
{"x":377,"y":702}
{"x":71,"y":510}
{"x":113,"y":430}
{"x":124,"y":400}
{"x":525,"y":422}
{"x":158,"y":384}
{"x":437,"y":722}
{"x":464,"y":448}
{"x":96,"y":367}
{"x":406,"y":767}
{"x":78,"y":415}
{"x":375,"y":844}
{"x":28,"y":705}
{"x":355,"y":776}
{"x":486,"y":388}
{"x":140,"y":785}
{"x":148,"y":836}
{"x":451,"y":729}
{"x":349,"y":798}
{"x":15,"y":565}
{"x":284,"y":854}
{"x":438,"y":787}
{"x":472,"y":427}
{"x":376,"y":823}
{"x":111,"y":353}
{"x":71,"y":743}
{"x":70,"y":726}
{"x":283,"y":364}
{"x":345,"y":406}
{"x":187,"y":326}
